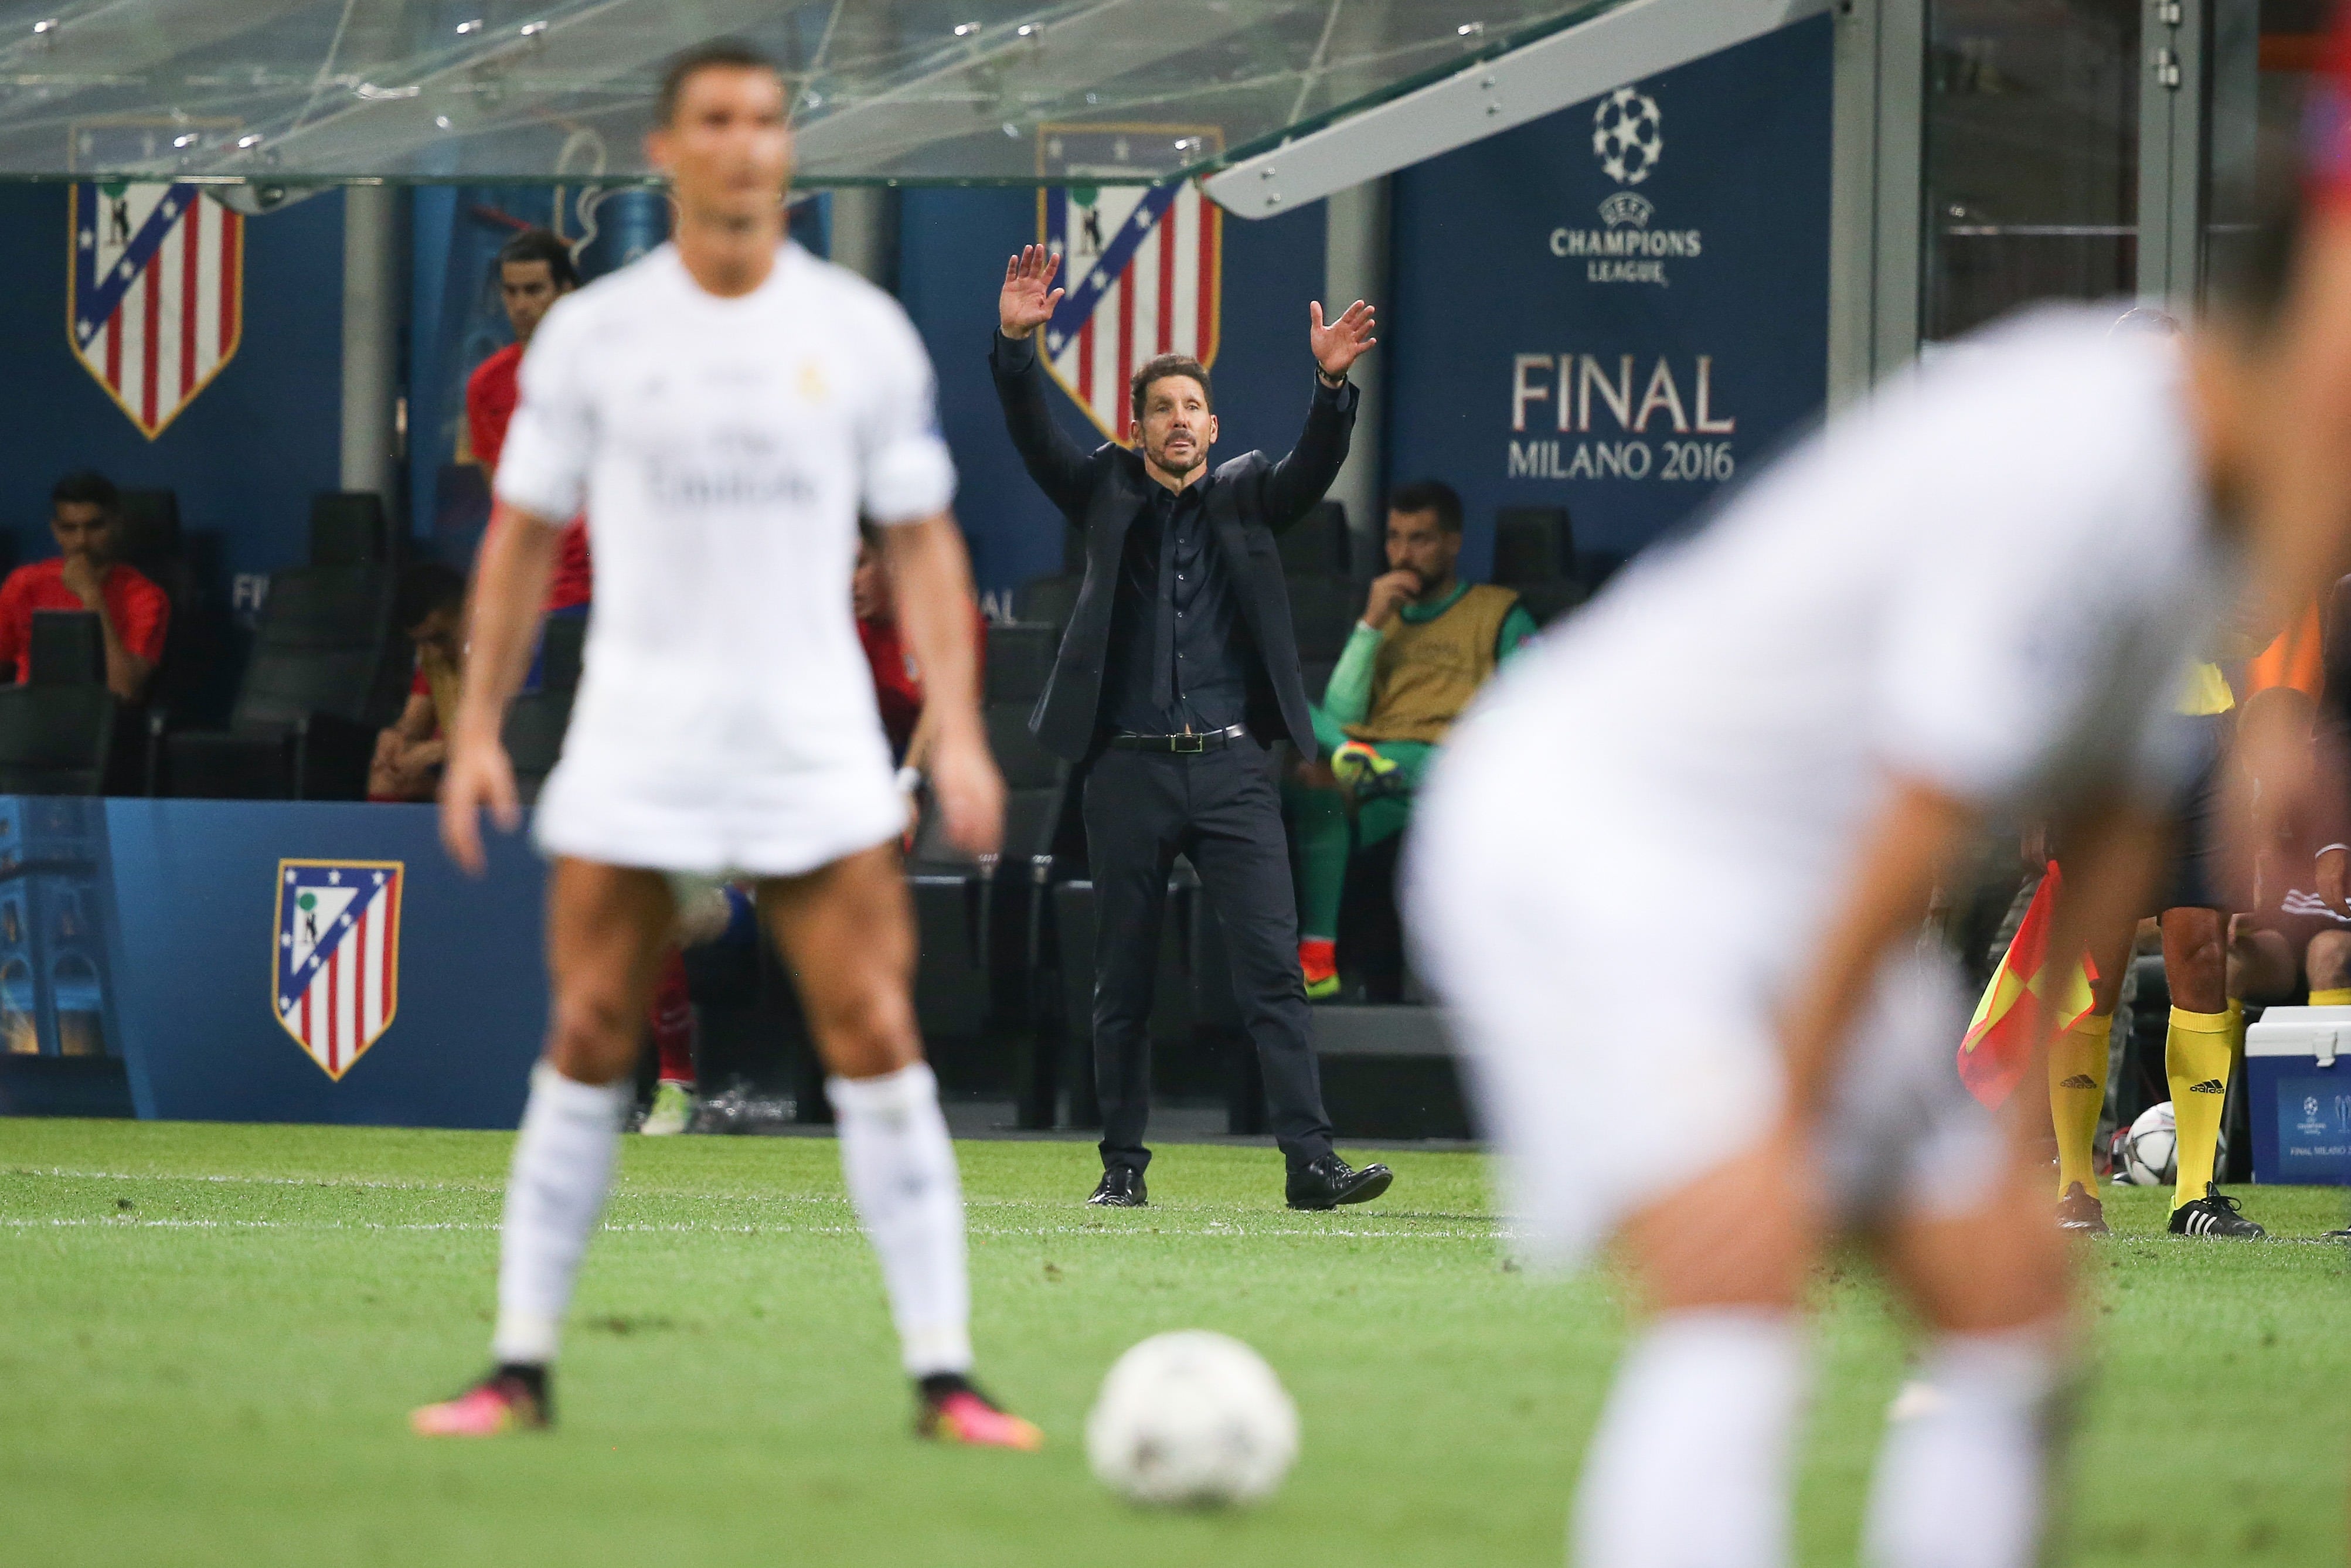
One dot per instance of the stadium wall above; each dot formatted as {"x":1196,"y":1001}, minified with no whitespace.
{"x":1622,"y":306}
{"x":246,"y":454}
{"x":161,"y":942}
{"x":1524,"y":272}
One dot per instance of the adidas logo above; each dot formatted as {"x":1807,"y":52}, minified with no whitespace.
{"x":2079,"y":1080}
{"x":2210,"y":1086}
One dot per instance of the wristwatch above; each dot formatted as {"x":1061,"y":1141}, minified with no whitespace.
{"x":1320,"y":376}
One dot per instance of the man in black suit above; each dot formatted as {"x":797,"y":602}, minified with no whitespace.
{"x":1176,"y":672}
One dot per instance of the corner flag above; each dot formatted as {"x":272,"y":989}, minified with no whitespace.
{"x":1998,"y":1043}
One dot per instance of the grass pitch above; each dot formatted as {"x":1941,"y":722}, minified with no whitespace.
{"x":210,"y":1337}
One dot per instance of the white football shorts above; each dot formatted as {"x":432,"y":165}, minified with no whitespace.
{"x":718,"y":822}
{"x":1612,"y":1000}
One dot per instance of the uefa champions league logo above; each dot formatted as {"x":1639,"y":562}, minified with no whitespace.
{"x":1627,"y":135}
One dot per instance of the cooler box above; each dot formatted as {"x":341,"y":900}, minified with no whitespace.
{"x":2298,"y":1095}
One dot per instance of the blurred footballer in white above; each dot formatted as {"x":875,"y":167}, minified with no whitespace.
{"x":724,"y":449}
{"x":1669,"y":873}
{"x":724,"y":409}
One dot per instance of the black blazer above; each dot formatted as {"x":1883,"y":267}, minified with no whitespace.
{"x":1100,"y":492}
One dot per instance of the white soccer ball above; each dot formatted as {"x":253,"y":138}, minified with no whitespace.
{"x":1192,"y":1418}
{"x":2151,"y":1150}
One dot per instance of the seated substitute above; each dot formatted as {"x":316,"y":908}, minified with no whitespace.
{"x":133,"y":614}
{"x":1427,"y":641}
{"x":430,"y":609}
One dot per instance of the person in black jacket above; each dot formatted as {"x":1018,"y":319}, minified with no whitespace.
{"x":1177,"y":671}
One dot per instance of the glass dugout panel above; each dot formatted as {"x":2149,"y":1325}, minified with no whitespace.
{"x":2031,"y":176}
{"x":2263,"y":59}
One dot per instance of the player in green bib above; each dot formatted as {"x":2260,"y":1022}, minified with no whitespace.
{"x":1426,"y":642}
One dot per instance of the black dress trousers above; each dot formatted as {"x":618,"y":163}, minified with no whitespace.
{"x":1222,"y":809}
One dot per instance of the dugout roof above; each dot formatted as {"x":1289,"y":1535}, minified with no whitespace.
{"x":912,"y":91}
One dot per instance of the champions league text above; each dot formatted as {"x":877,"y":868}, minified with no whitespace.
{"x":1575,"y":389}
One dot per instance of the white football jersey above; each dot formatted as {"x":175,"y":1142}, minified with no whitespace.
{"x":1990,"y":580}
{"x":723,"y":450}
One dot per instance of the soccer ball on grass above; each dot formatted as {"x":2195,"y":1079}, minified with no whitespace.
{"x":2147,"y":1154}
{"x":1192,"y":1418}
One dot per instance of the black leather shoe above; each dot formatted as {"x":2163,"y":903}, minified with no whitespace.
{"x":1331,"y":1181}
{"x":1121,"y":1187}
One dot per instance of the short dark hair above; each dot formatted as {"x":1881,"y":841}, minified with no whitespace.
{"x":427,"y":585}
{"x":718,"y":53}
{"x":87,"y":486}
{"x":1160,"y":369}
{"x":547,"y":246}
{"x":1429,"y":496}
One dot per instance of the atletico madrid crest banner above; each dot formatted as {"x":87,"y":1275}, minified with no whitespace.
{"x":155,"y":304}
{"x":336,"y":980}
{"x":1143,"y":265}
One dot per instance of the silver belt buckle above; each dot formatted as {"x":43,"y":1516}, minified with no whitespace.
{"x":1189,"y":744}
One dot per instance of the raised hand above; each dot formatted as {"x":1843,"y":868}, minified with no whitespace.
{"x":1339,"y":343}
{"x":968,"y":789}
{"x":1390,"y":593}
{"x":1028,"y":296}
{"x":478,"y":777}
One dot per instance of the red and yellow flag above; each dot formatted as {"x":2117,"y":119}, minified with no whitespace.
{"x":1998,"y":1044}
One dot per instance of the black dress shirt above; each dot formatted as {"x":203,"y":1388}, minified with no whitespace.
{"x":1177,"y":655}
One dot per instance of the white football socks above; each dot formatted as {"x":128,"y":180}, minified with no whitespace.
{"x":900,"y":1171}
{"x":1961,"y":1472}
{"x":1690,"y":1465}
{"x":562,"y":1169}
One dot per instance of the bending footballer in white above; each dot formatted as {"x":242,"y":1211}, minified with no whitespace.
{"x":1974,"y":596}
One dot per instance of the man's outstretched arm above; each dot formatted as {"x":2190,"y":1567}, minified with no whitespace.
{"x":502,"y":629}
{"x":2115,"y":850}
{"x":1058,"y":465}
{"x":1300,"y":479}
{"x":930,"y":576}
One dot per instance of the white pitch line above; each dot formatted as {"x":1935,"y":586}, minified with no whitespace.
{"x":131,"y":1223}
{"x":623,"y":1189}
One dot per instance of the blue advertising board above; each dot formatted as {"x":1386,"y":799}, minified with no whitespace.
{"x":2300,"y":1109}
{"x":1620,"y":307}
{"x":258,"y":961}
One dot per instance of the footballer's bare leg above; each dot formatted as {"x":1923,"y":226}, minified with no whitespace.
{"x":1691,"y":1461}
{"x":846,"y":932}
{"x":605,"y":930}
{"x":1965,"y":1464}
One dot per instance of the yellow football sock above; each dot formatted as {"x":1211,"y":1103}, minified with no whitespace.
{"x":2077,"y":1093}
{"x":2340,"y":996}
{"x":2197,"y":1052}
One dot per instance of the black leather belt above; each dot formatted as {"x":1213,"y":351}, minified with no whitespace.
{"x":1181,"y":745}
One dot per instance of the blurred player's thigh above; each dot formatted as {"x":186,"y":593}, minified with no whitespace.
{"x":606,"y":925}
{"x":846,"y":931}
{"x":1610,"y":1065}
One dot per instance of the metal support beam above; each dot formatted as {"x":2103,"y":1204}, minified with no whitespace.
{"x":2171,"y":152}
{"x":1878,"y":172}
{"x":864,"y":227}
{"x":1636,"y":39}
{"x":1355,"y":266}
{"x":370,"y":336}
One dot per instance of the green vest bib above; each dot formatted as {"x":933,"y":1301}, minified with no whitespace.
{"x":1426,"y":672}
